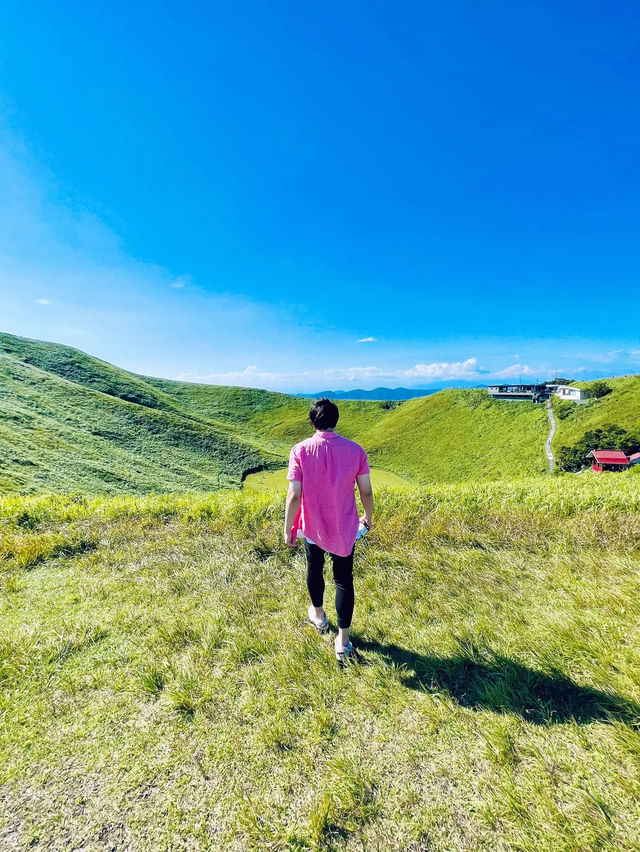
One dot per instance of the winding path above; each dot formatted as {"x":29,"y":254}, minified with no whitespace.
{"x":547,"y":445}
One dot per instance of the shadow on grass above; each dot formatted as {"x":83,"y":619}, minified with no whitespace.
{"x":491,"y":682}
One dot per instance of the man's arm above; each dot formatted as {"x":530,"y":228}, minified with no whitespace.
{"x":366,"y":495}
{"x":294,"y":495}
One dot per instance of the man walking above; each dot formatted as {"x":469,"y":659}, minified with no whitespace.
{"x":321,"y":503}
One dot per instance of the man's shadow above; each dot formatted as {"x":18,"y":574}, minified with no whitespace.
{"x":484,"y":680}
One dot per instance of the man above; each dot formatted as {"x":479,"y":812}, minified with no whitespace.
{"x":321,"y":504}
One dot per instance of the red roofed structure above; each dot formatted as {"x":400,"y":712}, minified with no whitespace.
{"x":635,"y":458}
{"x":608,"y":460}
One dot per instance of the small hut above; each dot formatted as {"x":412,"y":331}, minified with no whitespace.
{"x":634,"y":459}
{"x":608,"y":460}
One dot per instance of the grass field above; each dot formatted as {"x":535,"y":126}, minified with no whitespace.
{"x":460,"y":435}
{"x":73,"y":422}
{"x":160,"y":689}
{"x":276,"y":480}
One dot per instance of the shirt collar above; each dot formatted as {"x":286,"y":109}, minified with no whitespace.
{"x":322,"y":434}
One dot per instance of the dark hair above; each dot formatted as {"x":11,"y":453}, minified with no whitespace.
{"x":324,"y":414}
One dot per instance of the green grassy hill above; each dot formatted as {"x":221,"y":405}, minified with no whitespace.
{"x":456,"y":435}
{"x":161,"y":690}
{"x":74,"y":422}
{"x":621,"y":407}
{"x":451,"y":436}
{"x":84,"y":370}
{"x":277,"y":420}
{"x":57,"y":434}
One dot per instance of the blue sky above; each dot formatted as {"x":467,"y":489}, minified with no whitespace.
{"x":307,"y":196}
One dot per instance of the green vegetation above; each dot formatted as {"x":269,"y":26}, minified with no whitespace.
{"x":621,"y":407}
{"x":598,"y":389}
{"x":609,"y":437}
{"x":562,"y":408}
{"x":82,"y":369}
{"x":160,"y":688}
{"x":70,"y":422}
{"x":611,"y":421}
{"x":457,"y":435}
{"x":56,"y":434}
{"x":73,"y":422}
{"x":276,"y":480}
{"x":275,"y":420}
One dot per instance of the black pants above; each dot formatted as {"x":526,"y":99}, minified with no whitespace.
{"x":342,"y":576}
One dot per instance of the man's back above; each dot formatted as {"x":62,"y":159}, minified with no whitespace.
{"x":327,"y":466}
{"x":323,"y":472}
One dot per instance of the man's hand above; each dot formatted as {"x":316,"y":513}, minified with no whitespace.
{"x":366,"y":495}
{"x":294,"y":497}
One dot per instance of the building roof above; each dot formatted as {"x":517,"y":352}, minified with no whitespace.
{"x":634,"y":457}
{"x":516,"y":386}
{"x":609,"y":456}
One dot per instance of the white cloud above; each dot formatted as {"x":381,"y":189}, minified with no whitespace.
{"x":513,"y":371}
{"x":367,"y":340}
{"x":43,"y":301}
{"x":181,"y":281}
{"x":253,"y":376}
{"x":444,"y":370}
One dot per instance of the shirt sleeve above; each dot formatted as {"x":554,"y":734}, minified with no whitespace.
{"x":294,"y":474}
{"x":364,"y":464}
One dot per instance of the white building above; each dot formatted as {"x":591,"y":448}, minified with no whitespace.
{"x":570,"y":393}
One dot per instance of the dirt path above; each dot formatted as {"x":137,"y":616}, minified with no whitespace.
{"x":547,"y":445}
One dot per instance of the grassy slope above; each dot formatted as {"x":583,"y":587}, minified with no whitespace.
{"x":445,"y":437}
{"x":161,"y":690}
{"x":179,"y":435}
{"x":56,"y":434}
{"x":85,"y":370}
{"x":450,"y":436}
{"x":277,"y":420}
{"x":74,"y":422}
{"x":456,"y":435}
{"x":621,"y":407}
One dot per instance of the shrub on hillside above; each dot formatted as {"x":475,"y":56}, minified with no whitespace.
{"x":563,"y":408}
{"x":598,"y":389}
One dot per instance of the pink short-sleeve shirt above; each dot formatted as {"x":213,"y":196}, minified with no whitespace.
{"x":327,"y":466}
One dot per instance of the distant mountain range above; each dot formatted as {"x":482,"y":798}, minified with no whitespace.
{"x":380,"y":394}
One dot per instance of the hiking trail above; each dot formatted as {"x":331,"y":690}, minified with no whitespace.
{"x":547,"y":445}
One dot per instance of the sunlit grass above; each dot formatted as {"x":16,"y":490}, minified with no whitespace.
{"x":70,"y":422}
{"x":161,"y":690}
{"x":276,"y":480}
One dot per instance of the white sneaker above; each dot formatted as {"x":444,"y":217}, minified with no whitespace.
{"x":320,"y":624}
{"x":343,"y":652}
